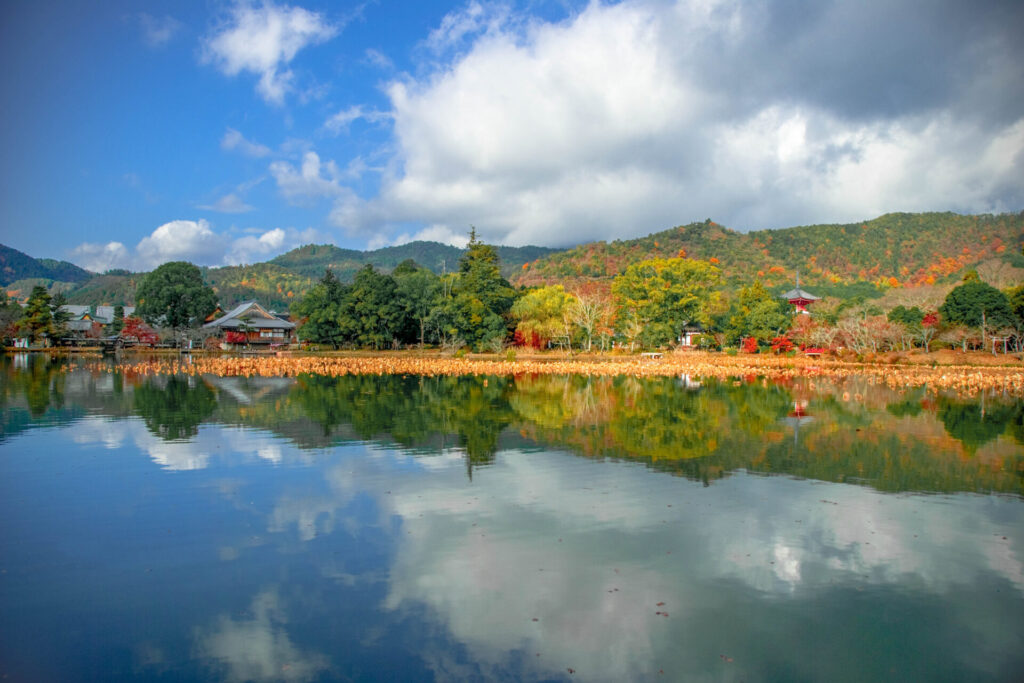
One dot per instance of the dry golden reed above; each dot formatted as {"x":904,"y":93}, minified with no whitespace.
{"x":958,"y":378}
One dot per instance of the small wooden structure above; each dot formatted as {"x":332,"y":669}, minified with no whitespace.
{"x":250,"y":323}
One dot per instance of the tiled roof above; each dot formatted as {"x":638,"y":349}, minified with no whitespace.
{"x":799,"y":294}
{"x":261,"y":319}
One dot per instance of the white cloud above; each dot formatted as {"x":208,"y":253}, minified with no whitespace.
{"x":158,"y":31}
{"x":196,"y":242}
{"x":263,"y":40}
{"x":253,"y":248}
{"x":233,"y":140}
{"x":379,"y":59}
{"x":179,"y":240}
{"x":340,"y":121}
{"x":461,"y":24}
{"x":100,"y":257}
{"x":229,"y":203}
{"x":636,"y":116}
{"x":299,"y":185}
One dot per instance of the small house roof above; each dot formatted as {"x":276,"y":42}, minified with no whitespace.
{"x":75,"y":310}
{"x":249,"y":314}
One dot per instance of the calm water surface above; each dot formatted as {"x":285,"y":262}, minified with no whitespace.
{"x":505,"y":528}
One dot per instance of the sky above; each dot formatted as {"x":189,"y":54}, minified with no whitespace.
{"x":138,"y":132}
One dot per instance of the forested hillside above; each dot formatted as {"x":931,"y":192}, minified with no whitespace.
{"x":15,"y":265}
{"x":272,"y":285}
{"x":895,"y":249}
{"x":311,"y":260}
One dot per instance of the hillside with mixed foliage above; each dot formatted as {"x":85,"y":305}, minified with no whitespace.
{"x":900,"y":249}
{"x":108,"y":289}
{"x":272,"y":285}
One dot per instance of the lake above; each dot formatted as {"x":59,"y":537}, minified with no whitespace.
{"x":176,"y":528}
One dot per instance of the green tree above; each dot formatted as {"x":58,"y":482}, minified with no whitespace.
{"x":37,"y":317}
{"x":910,"y":317}
{"x":756,"y":313}
{"x":662,"y":296}
{"x":60,"y":316}
{"x":321,"y":309}
{"x":979,"y":305}
{"x":175,"y":296}
{"x":482,"y":298}
{"x":418,"y":291}
{"x":1015,"y":297}
{"x":376,"y":317}
{"x":117,"y":324}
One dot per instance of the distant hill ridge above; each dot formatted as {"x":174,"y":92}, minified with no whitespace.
{"x":16,"y":265}
{"x":313,"y":259}
{"x":898,"y":249}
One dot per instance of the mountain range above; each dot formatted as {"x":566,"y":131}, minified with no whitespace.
{"x":863,"y":258}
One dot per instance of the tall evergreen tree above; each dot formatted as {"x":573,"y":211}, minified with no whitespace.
{"x":37,"y":318}
{"x":482,"y":297}
{"x":321,"y":311}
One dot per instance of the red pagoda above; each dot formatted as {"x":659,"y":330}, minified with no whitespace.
{"x":800,"y":298}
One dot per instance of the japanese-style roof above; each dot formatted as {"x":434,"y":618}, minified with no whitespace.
{"x":75,"y":310}
{"x":799,"y":294}
{"x":104,"y":314}
{"x":249,"y":314}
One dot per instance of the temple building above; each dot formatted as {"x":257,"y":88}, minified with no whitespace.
{"x":800,"y":298}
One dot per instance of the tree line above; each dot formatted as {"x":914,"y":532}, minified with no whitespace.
{"x":651,"y":304}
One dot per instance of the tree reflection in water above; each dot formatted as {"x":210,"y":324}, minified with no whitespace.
{"x":173,"y":407}
{"x":844,"y":431}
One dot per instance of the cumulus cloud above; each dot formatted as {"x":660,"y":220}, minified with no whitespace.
{"x":233,"y":140}
{"x":100,"y":257}
{"x":640,"y":115}
{"x":263,"y":40}
{"x":180,"y":241}
{"x":252,"y":248}
{"x":196,"y":242}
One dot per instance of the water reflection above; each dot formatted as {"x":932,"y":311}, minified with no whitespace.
{"x":319,"y":529}
{"x":842,"y":432}
{"x":257,"y":647}
{"x":173,"y":407}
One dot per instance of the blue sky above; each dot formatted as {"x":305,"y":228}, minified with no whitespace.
{"x":223,"y":132}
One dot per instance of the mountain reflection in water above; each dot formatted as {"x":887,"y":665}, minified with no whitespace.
{"x":504,"y":528}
